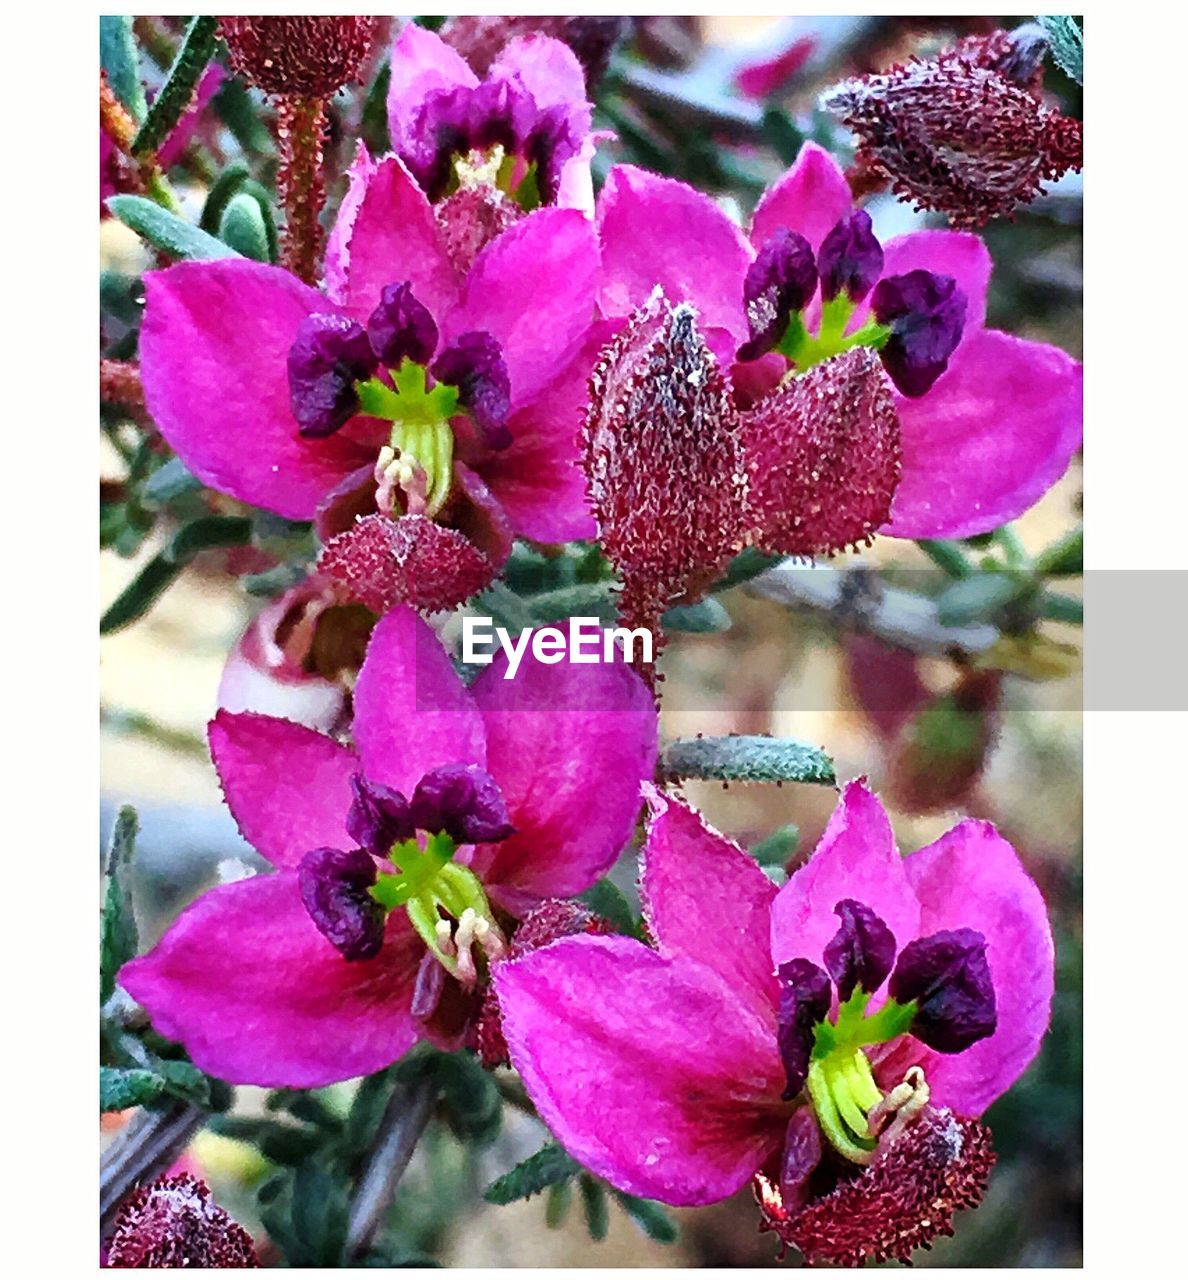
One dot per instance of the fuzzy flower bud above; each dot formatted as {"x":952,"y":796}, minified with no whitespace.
{"x":308,"y":56}
{"x":173,"y":1222}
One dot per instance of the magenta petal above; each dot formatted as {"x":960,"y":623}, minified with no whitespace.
{"x":533,"y":289}
{"x":996,"y":432}
{"x":810,"y":198}
{"x":334,"y":263}
{"x":288,"y":787}
{"x":647,"y":1069}
{"x":569,"y":745}
{"x":213,"y":351}
{"x":704,"y":897}
{"x":244,"y":980}
{"x":947,"y":253}
{"x":549,"y":70}
{"x":393,"y":237}
{"x":658,"y":231}
{"x":422,"y":63}
{"x":855,"y":858}
{"x":412,"y":712}
{"x":972,"y":878}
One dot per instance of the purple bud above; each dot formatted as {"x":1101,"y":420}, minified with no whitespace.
{"x":780,"y":281}
{"x":328,"y":356}
{"x":850,"y":258}
{"x":861,"y":952}
{"x":949,"y":979}
{"x":926,"y":313}
{"x":463,"y":801}
{"x":334,"y":887}
{"x":378,"y":817}
{"x":401,"y":327}
{"x":474,"y":364}
{"x":805,"y":997}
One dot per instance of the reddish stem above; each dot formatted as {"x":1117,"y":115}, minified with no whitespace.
{"x":301,"y":181}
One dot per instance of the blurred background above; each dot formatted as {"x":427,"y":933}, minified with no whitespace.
{"x":939,"y":739}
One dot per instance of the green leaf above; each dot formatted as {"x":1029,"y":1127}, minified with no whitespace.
{"x":1058,"y":607}
{"x":118,"y":57}
{"x":1067,"y":44}
{"x":473,"y":1103}
{"x":607,"y":900}
{"x":197,"y":49}
{"x":746,"y":565}
{"x":594,"y":1205}
{"x":702,"y":618}
{"x":1065,"y":557}
{"x":207,"y":534}
{"x":221,"y":190}
{"x":549,"y":1166}
{"x":775,"y":850}
{"x":650,"y":1216}
{"x":171,"y":480}
{"x":281,"y":1143}
{"x":949,"y":556}
{"x":240,"y":112}
{"x":781,"y":135}
{"x":123,"y":1087}
{"x":118,"y":937}
{"x":581,"y":600}
{"x":184,"y":1080}
{"x":745,"y":758}
{"x":166,"y":231}
{"x":242,"y":226}
{"x":979,"y":598}
{"x":139,"y":596}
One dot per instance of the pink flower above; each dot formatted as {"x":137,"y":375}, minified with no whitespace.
{"x":869,"y":1011}
{"x":443,"y":402}
{"x":987,"y":422}
{"x":306,"y":976}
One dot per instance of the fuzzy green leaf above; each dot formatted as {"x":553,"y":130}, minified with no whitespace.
{"x":747,"y":758}
{"x":197,"y":49}
{"x":549,"y":1166}
{"x":168,"y":232}
{"x":118,"y":937}
{"x":702,"y":618}
{"x":117,"y":56}
{"x":650,"y":1216}
{"x":123,"y":1087}
{"x":594,"y":1204}
{"x":979,"y":598}
{"x":242,"y":226}
{"x":775,"y":850}
{"x":1067,"y":44}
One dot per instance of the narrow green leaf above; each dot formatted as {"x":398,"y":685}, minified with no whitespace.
{"x":280,"y":1143}
{"x":139,"y":596}
{"x":702,"y":618}
{"x":123,"y":1087}
{"x":547,"y":1167}
{"x":170,"y":481}
{"x":1067,"y":44}
{"x":506,"y":607}
{"x":207,"y":534}
{"x":557,"y":1203}
{"x":240,"y":112}
{"x":775,"y":850}
{"x":581,"y":600}
{"x":781,"y":135}
{"x":166,"y":231}
{"x":1065,"y":557}
{"x":221,"y":190}
{"x":118,"y":57}
{"x":118,"y":936}
{"x":948,"y":556}
{"x":184,"y":1080}
{"x":197,"y":49}
{"x":594,"y":1205}
{"x":979,"y":598}
{"x":650,"y":1216}
{"x":1058,"y":607}
{"x":242,"y":226}
{"x":473,"y":1103}
{"x":745,"y":758}
{"x":746,"y":565}
{"x":607,"y":900}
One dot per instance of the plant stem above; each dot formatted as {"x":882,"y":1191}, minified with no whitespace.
{"x":300,"y":180}
{"x":142,"y":1150}
{"x":405,"y":1118}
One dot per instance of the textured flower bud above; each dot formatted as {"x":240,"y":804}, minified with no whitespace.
{"x":850,"y":259}
{"x":960,"y":133}
{"x":401,"y":327}
{"x":462,"y":800}
{"x":480,"y":37}
{"x":173,"y":1222}
{"x":805,"y":996}
{"x":334,"y":886}
{"x":471,"y":218}
{"x":378,"y":817}
{"x":309,"y":56}
{"x":947,"y":976}
{"x":926,"y":315}
{"x":474,"y":364}
{"x":778,"y":283}
{"x":328,"y":356}
{"x":861,"y":952}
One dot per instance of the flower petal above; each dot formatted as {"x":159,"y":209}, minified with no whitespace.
{"x":214,"y":347}
{"x":855,"y":858}
{"x":549,"y":70}
{"x":647,"y":1069}
{"x":997,"y":430}
{"x":288,"y":787}
{"x":810,"y":198}
{"x":533,"y":289}
{"x":412,"y":712}
{"x":422,"y":63}
{"x":393,"y":237}
{"x":244,"y":980}
{"x":569,"y":745}
{"x":658,"y":231}
{"x":705,"y":898}
{"x":972,"y":878}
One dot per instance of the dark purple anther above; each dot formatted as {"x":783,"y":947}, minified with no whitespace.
{"x":949,"y":979}
{"x":334,"y":888}
{"x":805,"y":997}
{"x":378,"y":817}
{"x":328,"y":356}
{"x":861,"y":952}
{"x":474,"y":364}
{"x":926,"y":313}
{"x":850,"y":259}
{"x":401,"y":327}
{"x":779,"y":282}
{"x":463,"y":801}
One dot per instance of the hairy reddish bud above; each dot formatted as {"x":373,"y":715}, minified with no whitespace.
{"x":174,"y":1223}
{"x":961,"y":133}
{"x":665,"y":469}
{"x":308,"y":56}
{"x":823,"y":451}
{"x":480,"y":37}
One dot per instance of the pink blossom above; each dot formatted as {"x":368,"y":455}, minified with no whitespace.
{"x":254,"y":977}
{"x":683,"y":1070}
